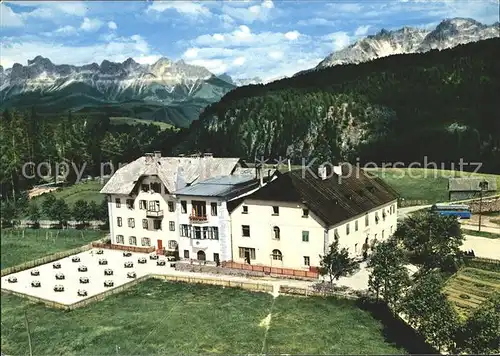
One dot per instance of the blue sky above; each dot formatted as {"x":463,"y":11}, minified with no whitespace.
{"x":243,"y":38}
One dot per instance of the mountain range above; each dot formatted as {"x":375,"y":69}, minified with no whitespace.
{"x":447,"y":34}
{"x":177,"y":92}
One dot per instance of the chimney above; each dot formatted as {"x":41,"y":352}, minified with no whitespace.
{"x":337,"y":169}
{"x":289,"y":166}
{"x":258,"y":174}
{"x":157,"y":154}
{"x":322,"y":172}
{"x":149,"y":157}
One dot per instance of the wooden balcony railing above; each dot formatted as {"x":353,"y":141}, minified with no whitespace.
{"x":198,"y":218}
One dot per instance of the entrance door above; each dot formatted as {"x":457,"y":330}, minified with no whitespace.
{"x":201,"y":255}
{"x":160,"y":245}
{"x":247,"y":256}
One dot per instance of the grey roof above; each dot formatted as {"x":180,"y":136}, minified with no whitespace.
{"x":218,"y":186}
{"x":470,"y":184}
{"x":174,"y":172}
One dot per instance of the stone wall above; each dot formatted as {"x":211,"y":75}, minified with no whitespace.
{"x":489,"y":205}
{"x":187,"y":267}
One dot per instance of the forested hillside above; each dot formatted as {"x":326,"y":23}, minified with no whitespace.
{"x":84,"y":141}
{"x":440,"y":104}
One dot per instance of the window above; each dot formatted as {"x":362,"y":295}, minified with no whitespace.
{"x":130,"y":203}
{"x":277,"y":256}
{"x":154,"y":205}
{"x":197,"y":232}
{"x":172,"y":244}
{"x":204,"y":233}
{"x":131,"y":222}
{"x":276,"y":210}
{"x":216,"y":257}
{"x":145,"y":187}
{"x":213,"y":233}
{"x":305,"y":236}
{"x":356,"y":225}
{"x":276,"y":232}
{"x":156,"y":187}
{"x":391,"y":229}
{"x":132,"y":240}
{"x":199,"y":208}
{"x":305,"y":213}
{"x":245,"y":230}
{"x":145,"y":224}
{"x":184,"y":230}
{"x":247,"y":253}
{"x":120,"y":239}
{"x":119,"y":221}
{"x":171,"y":225}
{"x":183,"y":207}
{"x":336,"y":234}
{"x":367,"y":221}
{"x":145,"y":241}
{"x":355,"y":247}
{"x":376,"y":217}
{"x":186,"y":253}
{"x":171,"y":206}
{"x":118,"y":202}
{"x":213,"y":209}
{"x":157,"y":224}
{"x":142,"y":205}
{"x":383,"y":215}
{"x":245,"y":209}
{"x":382,"y":234}
{"x":347,"y":229}
{"x":307,"y":261}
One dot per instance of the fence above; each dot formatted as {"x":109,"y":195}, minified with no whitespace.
{"x":123,"y":248}
{"x":44,"y":260}
{"x":278,"y":271}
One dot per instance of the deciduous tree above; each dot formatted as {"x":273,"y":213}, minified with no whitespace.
{"x":430,"y":312}
{"x":337,"y":263}
{"x":389,"y":277}
{"x":481,"y":331}
{"x":81,"y":211}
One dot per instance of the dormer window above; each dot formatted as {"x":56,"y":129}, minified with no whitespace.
{"x":156,"y":187}
{"x":130,"y":203}
{"x":145,"y":187}
{"x":305,"y":213}
{"x":276,"y":210}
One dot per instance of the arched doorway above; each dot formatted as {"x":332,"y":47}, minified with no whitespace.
{"x":201,"y":256}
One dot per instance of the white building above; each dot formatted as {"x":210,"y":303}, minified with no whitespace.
{"x":292,"y":220}
{"x":204,"y":221}
{"x":142,"y":208}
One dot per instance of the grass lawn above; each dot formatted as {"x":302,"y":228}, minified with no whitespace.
{"x":88,"y":191}
{"x":469,"y":287}
{"x":427,"y":186}
{"x":18,"y":247}
{"x":158,"y":317}
{"x":486,"y":234}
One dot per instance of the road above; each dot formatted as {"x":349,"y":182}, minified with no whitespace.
{"x":493,"y":230}
{"x":482,"y":246}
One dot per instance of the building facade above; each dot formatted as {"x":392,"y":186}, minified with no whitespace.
{"x":292,"y":221}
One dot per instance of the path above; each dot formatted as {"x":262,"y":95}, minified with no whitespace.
{"x":493,"y":230}
{"x":482,"y":246}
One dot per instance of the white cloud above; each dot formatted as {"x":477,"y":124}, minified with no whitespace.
{"x":261,"y":12}
{"x":216,"y":66}
{"x":19,"y":50}
{"x":191,"y":53}
{"x":52,"y":10}
{"x":346,"y":7}
{"x":65,"y":30}
{"x":8,"y":18}
{"x":292,"y":35}
{"x":112,"y":25}
{"x":318,"y":21}
{"x":182,"y":7}
{"x":276,"y":54}
{"x":91,"y":24}
{"x":361,"y":30}
{"x":239,"y":61}
{"x":340,"y":39}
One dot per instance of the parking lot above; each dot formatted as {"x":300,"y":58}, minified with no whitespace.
{"x":95,"y":274}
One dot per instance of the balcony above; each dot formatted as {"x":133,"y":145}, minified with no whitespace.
{"x":154,"y":213}
{"x":198,"y":219}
